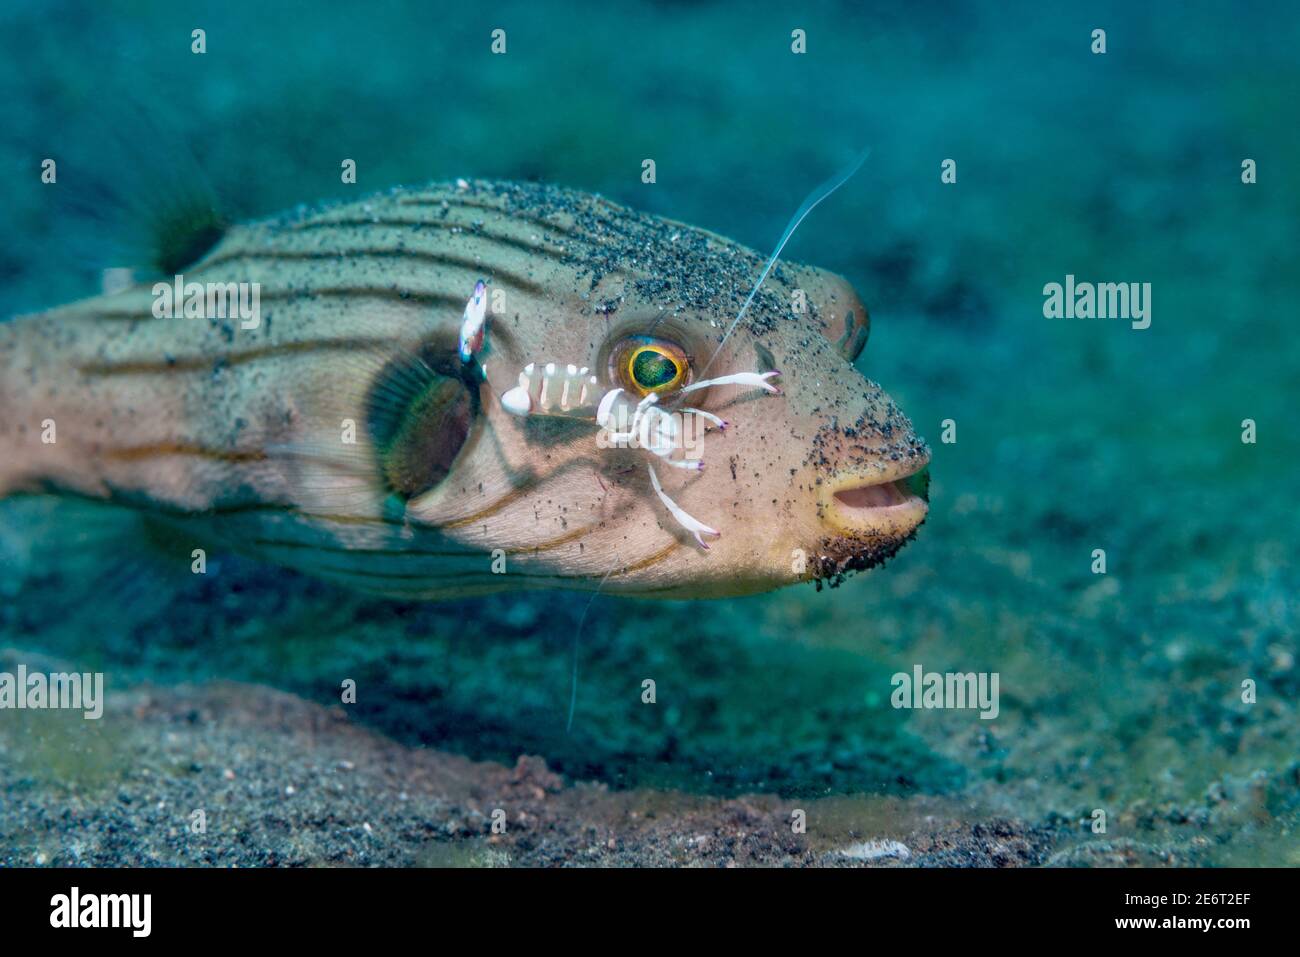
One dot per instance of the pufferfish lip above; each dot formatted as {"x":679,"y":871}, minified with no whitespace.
{"x":889,"y":501}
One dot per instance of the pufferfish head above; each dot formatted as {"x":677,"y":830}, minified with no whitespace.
{"x":814,"y":475}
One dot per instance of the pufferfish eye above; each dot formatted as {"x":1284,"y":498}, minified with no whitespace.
{"x":644,"y":365}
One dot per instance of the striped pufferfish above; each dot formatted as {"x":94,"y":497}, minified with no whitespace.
{"x":342,"y":436}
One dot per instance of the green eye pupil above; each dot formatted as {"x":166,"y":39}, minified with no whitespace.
{"x":652,"y":369}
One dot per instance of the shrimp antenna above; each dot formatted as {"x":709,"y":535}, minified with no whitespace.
{"x":815,"y":197}
{"x":577,"y":639}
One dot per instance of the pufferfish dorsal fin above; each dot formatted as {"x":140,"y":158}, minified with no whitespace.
{"x":149,"y":212}
{"x":419,"y":412}
{"x":182,"y":232}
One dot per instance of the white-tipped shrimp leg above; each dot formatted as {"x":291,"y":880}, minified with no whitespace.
{"x":694,"y":465}
{"x":692,"y":525}
{"x":737,"y":378}
{"x":707,"y":416}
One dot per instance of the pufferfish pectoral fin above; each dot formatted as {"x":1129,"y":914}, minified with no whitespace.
{"x":376,"y":428}
{"x":419,"y":415}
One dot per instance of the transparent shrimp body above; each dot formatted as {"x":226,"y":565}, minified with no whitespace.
{"x":554,"y":389}
{"x":674,"y":437}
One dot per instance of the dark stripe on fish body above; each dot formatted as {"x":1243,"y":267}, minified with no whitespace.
{"x":442,"y":259}
{"x":553,"y":252}
{"x":489,"y":575}
{"x":647,"y":562}
{"x":386,"y":293}
{"x":486,"y":207}
{"x":136,"y":453}
{"x":513,"y":495}
{"x":402,"y":552}
{"x":205,"y":363}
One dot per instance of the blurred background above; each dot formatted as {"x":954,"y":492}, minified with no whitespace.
{"x":1119,"y":691}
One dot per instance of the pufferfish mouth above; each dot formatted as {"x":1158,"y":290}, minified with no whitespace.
{"x":890,"y":502}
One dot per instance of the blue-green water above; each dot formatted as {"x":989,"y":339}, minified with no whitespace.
{"x":1120,"y":691}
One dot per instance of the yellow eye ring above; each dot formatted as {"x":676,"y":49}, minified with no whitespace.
{"x":655,"y":368}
